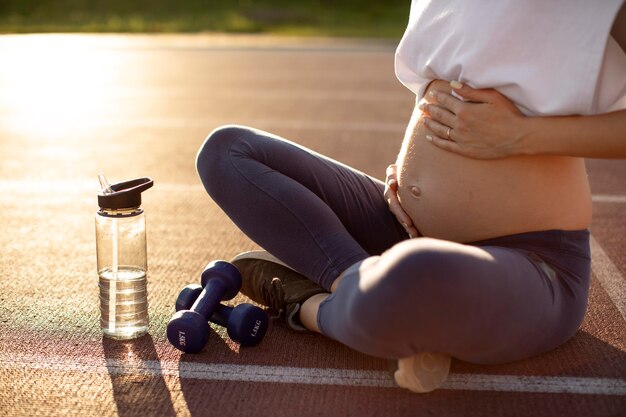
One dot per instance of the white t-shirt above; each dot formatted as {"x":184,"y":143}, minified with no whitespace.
{"x":550,"y":57}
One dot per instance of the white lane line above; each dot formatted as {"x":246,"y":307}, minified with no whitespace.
{"x":536,"y":384}
{"x":609,"y":276}
{"x":310,"y":376}
{"x":606,"y":198}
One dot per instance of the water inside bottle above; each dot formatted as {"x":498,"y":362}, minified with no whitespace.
{"x":123,"y":302}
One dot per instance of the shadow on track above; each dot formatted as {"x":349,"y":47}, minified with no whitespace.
{"x":139,"y":388}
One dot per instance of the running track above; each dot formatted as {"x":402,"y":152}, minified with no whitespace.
{"x":133,"y":106}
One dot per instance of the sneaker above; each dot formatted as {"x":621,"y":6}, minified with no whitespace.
{"x":268,"y":281}
{"x":423,"y":372}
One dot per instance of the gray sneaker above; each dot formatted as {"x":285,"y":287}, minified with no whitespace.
{"x":268,"y":281}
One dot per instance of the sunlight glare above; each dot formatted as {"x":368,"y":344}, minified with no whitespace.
{"x":53,"y":84}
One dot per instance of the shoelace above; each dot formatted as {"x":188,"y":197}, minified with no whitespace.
{"x":274,"y":295}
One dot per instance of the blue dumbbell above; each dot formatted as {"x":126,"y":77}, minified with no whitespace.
{"x":246,"y":324}
{"x":188,"y":330}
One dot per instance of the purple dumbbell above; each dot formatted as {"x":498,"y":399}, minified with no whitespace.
{"x":246,"y":323}
{"x":188,"y":330}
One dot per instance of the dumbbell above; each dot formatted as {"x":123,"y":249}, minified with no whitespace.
{"x":188,"y":330}
{"x":246,"y":324}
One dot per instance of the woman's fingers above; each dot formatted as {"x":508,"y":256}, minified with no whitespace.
{"x":391,"y":196}
{"x":484,"y":95}
{"x":439,"y":113}
{"x":397,"y":210}
{"x":403,"y":218}
{"x":411,"y":231}
{"x":451,"y":146}
{"x":441,"y":130}
{"x":391,"y":170}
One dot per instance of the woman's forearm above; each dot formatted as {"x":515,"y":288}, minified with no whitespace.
{"x":597,"y":136}
{"x":487,"y":125}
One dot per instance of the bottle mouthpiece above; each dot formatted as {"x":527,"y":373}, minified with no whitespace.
{"x":122,"y":195}
{"x":105,"y":187}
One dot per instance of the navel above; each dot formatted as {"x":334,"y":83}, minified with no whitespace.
{"x":415,"y":191}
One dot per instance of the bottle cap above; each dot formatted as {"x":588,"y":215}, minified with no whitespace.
{"x":122,"y":195}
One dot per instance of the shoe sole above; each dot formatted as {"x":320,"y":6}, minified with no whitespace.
{"x":262,"y":255}
{"x":423,"y":372}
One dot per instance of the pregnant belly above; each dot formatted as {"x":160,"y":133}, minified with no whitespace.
{"x":452,"y":197}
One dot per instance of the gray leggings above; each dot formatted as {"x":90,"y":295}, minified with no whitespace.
{"x":491,"y":301}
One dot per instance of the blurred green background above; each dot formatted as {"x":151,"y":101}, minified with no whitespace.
{"x":354,"y":18}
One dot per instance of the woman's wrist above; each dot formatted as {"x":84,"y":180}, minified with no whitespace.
{"x":529,"y":136}
{"x":544,"y":135}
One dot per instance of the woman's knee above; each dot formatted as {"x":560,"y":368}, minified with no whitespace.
{"x":213,"y":156}
{"x":217,"y":145}
{"x":404,"y":289}
{"x":417,"y":266}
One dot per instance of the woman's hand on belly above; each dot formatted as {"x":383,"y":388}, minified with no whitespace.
{"x":391,"y":196}
{"x":486,"y":125}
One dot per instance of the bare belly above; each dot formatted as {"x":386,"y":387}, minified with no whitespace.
{"x":452,"y":197}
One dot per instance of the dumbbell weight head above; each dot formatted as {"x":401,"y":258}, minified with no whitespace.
{"x":188,"y":331}
{"x":224,"y":273}
{"x":246,"y":324}
{"x":187,"y":296}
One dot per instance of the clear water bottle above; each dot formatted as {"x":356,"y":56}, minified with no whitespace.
{"x":122,"y":258}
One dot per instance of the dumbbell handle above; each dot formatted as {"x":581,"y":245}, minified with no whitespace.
{"x":209,"y":299}
{"x":220,"y":316}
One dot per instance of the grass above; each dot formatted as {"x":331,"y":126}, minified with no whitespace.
{"x":356,"y":18}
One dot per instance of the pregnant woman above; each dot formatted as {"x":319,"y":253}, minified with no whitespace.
{"x":477,"y":245}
